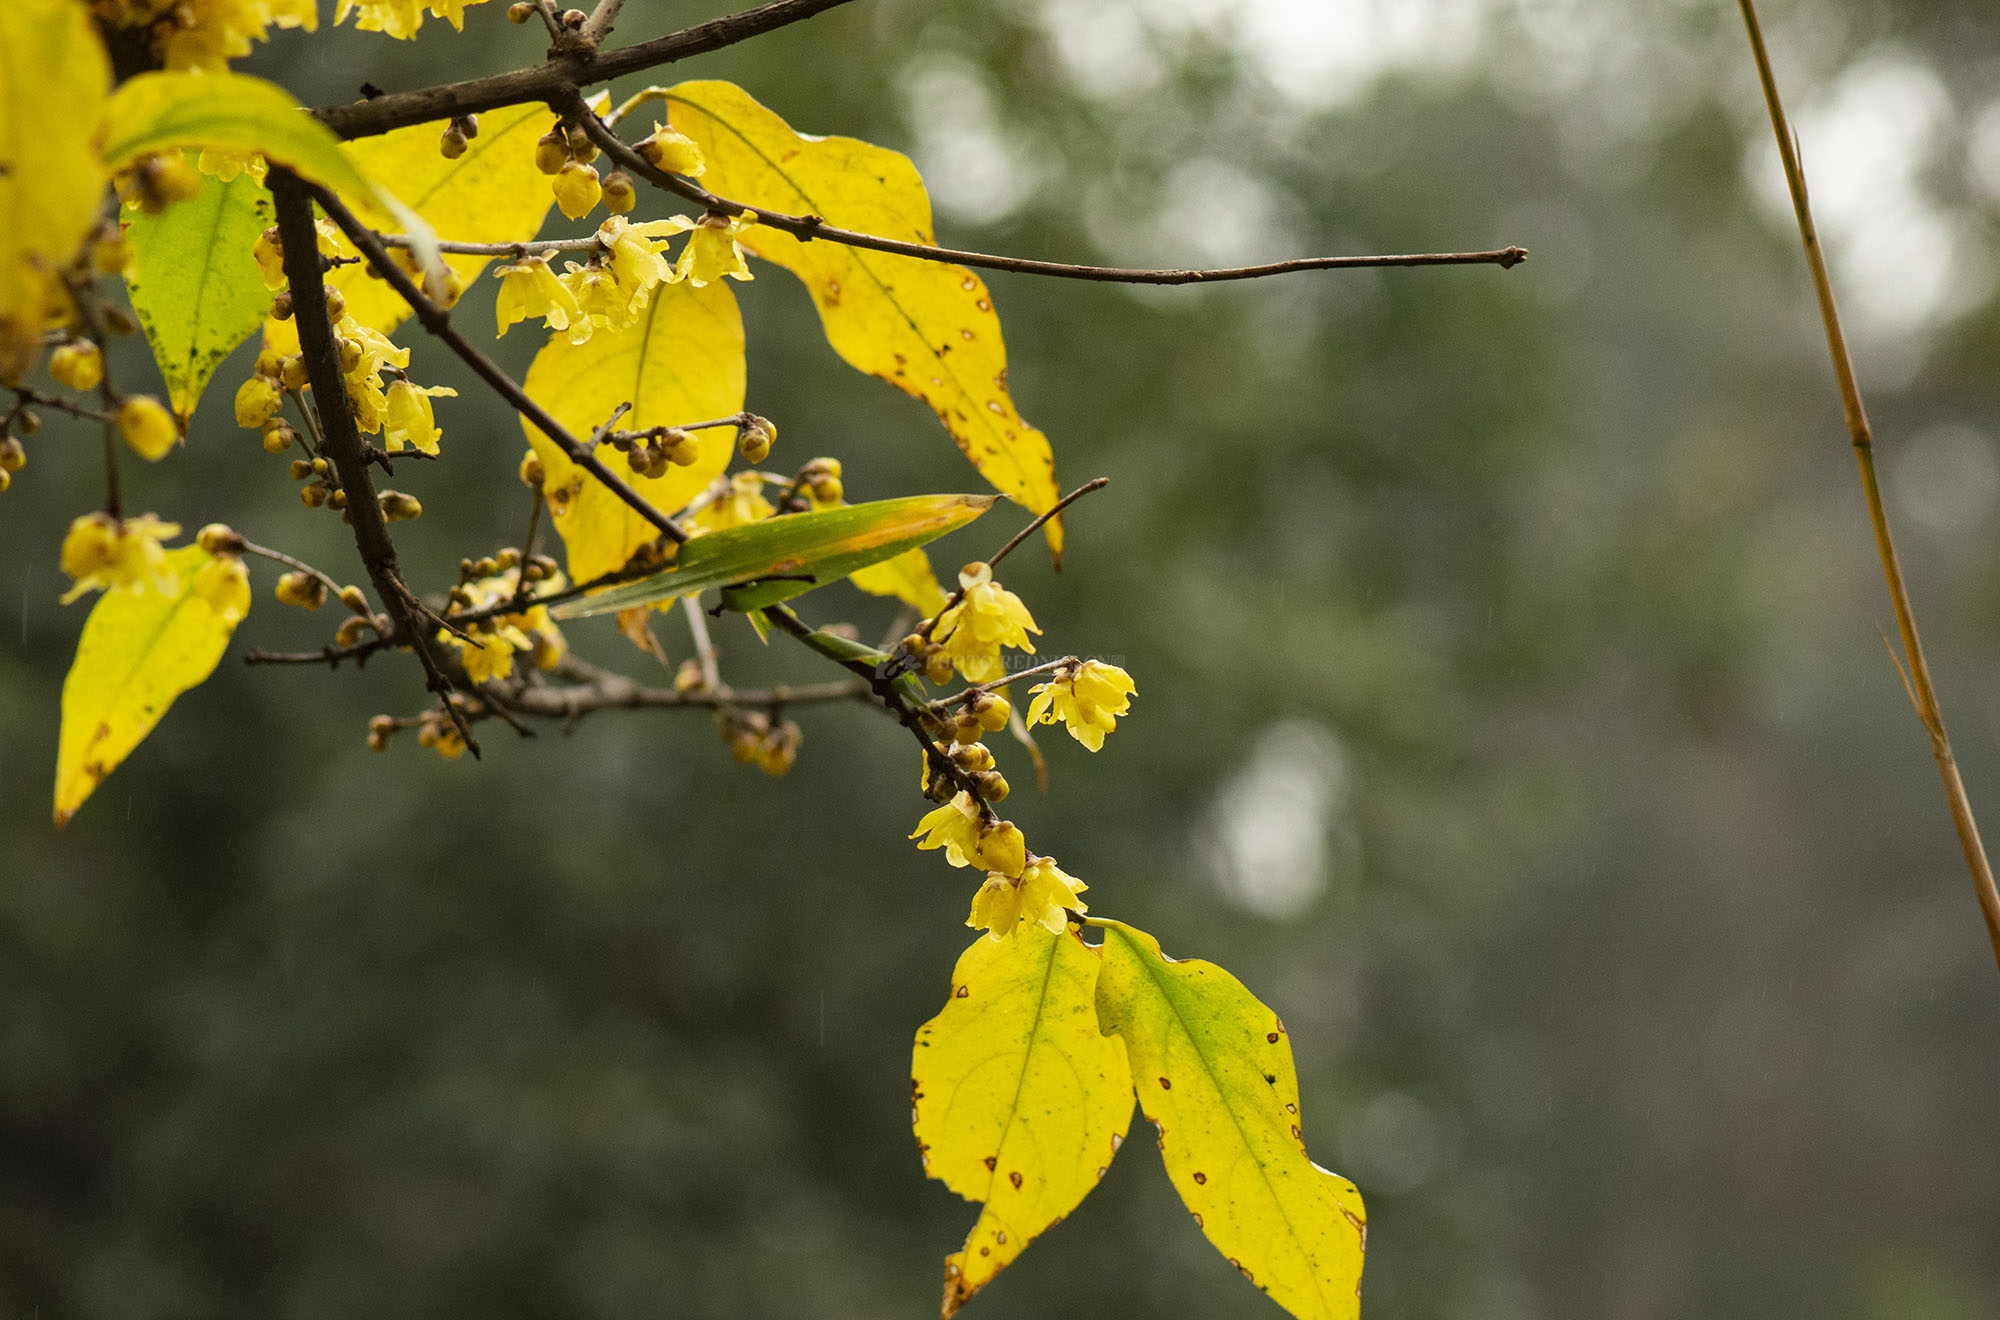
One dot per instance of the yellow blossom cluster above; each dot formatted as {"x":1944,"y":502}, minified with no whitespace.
{"x":207,"y":34}
{"x":971,"y":633}
{"x":609,"y":291}
{"x":489,"y":655}
{"x":401,"y":18}
{"x":733,"y":501}
{"x":101,"y":552}
{"x":1088,"y":698}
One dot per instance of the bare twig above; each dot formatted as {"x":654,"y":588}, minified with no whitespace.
{"x":438,"y":322}
{"x":598,"y":26}
{"x":280,"y":557}
{"x":1917,"y":677}
{"x":809,"y":227}
{"x":589,"y":688}
{"x":292,"y":198}
{"x":1098,"y":483}
{"x":566,"y":71}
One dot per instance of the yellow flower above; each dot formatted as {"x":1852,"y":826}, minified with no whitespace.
{"x":1088,"y":699}
{"x":635,"y":254}
{"x":225,"y":584}
{"x":257,"y":402}
{"x":711,"y":251}
{"x":399,"y":18}
{"x":147,"y":426}
{"x":990,"y":617}
{"x":603,"y":305}
{"x":577,"y":190}
{"x":490,"y":655}
{"x":1043,"y":894}
{"x":953,"y":827}
{"x":207,"y":34}
{"x":530,"y":288}
{"x":732,"y":503}
{"x":102,"y":553}
{"x":673,"y":151}
{"x":407,"y":416}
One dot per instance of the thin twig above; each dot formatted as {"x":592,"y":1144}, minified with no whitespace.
{"x":598,"y":26}
{"x":280,"y":557}
{"x":565,"y":72}
{"x":809,"y":227}
{"x":1918,"y":675}
{"x":438,"y":322}
{"x":1098,"y":483}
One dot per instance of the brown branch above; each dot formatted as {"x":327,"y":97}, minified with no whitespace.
{"x":809,"y":227}
{"x":557,"y":80}
{"x":1918,"y":675}
{"x":437,"y":321}
{"x":339,"y":439}
{"x":592,"y":689}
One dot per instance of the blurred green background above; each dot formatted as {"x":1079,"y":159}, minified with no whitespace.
{"x":1512,"y":718}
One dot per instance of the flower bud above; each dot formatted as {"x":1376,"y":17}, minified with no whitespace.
{"x":281,"y":306}
{"x":754,"y":438}
{"x":278,"y":435}
{"x":147,"y":426}
{"x":673,"y":151}
{"x":398,"y":507}
{"x":520,"y":12}
{"x":993,"y":711}
{"x":313,"y":495}
{"x":301,"y":469}
{"x":219,"y":539}
{"x":301,"y":589}
{"x":551,"y":152}
{"x":351,"y":597}
{"x":577,"y":190}
{"x":77,"y":364}
{"x":352,"y":631}
{"x":12,"y":456}
{"x":531,"y":469}
{"x":581,"y":148}
{"x":451,"y":142}
{"x":292,"y":372}
{"x":619,"y":194}
{"x":336,"y":305}
{"x":990,"y":785}
{"x":257,"y":402}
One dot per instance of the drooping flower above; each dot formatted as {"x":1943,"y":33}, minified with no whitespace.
{"x":224,"y":583}
{"x":1088,"y":699}
{"x":489,"y":656}
{"x":1043,"y":893}
{"x":972,"y":632}
{"x":102,"y":553}
{"x":257,"y":402}
{"x":673,"y":151}
{"x":711,"y":251}
{"x":529,"y":288}
{"x":577,"y":190}
{"x":407,"y":417}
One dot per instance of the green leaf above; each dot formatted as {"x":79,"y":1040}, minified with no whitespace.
{"x":194,"y":284}
{"x":1214,"y":1073}
{"x":1018,"y":1101}
{"x":140,"y":649}
{"x":925,"y":327}
{"x":161,"y":111}
{"x":779,"y":558}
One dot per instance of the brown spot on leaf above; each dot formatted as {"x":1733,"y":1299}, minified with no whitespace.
{"x":1272,"y":1078}
{"x":1291,"y":1108}
{"x":986,"y":1251}
{"x":1100,"y":1171}
{"x":1296,"y":1134}
{"x":833,"y":292}
{"x":1197,"y":1219}
{"x":965,"y":334}
{"x":1117,"y":1140}
{"x":982,"y":304}
{"x":990,"y":1162}
{"x":968,"y":284}
{"x":962,"y":992}
{"x":1272,"y":1038}
{"x":993,"y":406}
{"x":1166,"y":1085}
{"x":1200,"y":1177}
{"x":1001,"y":1237}
{"x":1015,"y":1178}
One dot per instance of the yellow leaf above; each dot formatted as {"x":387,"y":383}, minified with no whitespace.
{"x":907,"y":577}
{"x":53,"y":77}
{"x":927,"y":328}
{"x":491,"y":194}
{"x":139,"y":650}
{"x":1214,"y":1073}
{"x":680,"y":361}
{"x":1018,"y":1101}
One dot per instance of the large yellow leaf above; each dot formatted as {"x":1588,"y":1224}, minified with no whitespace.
{"x":139,"y":650}
{"x":680,"y":361}
{"x":927,"y":328}
{"x":1214,"y":1073}
{"x":1017,"y":1099}
{"x":53,"y":76}
{"x":491,"y":194}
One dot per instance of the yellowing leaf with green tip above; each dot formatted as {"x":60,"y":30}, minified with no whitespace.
{"x":925,"y":327}
{"x":53,"y":77}
{"x":763,"y":563}
{"x":194,"y":284}
{"x":1018,"y":1100}
{"x":139,"y":651}
{"x":491,"y":194}
{"x":908,"y":578}
{"x":161,"y":111}
{"x":680,"y":361}
{"x":1213,"y":1070}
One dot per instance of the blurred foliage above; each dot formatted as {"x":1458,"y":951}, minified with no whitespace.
{"x":1511,"y":719}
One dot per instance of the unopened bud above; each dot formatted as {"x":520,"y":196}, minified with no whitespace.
{"x":619,"y":194}
{"x":531,"y":469}
{"x":451,"y":142}
{"x":351,"y":597}
{"x":219,"y":539}
{"x":12,"y":456}
{"x":302,"y":589}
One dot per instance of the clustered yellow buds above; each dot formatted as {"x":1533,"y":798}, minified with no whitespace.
{"x":822,"y":477}
{"x":756,"y":739}
{"x":78,"y":364}
{"x":437,"y":732}
{"x":754,"y":438}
